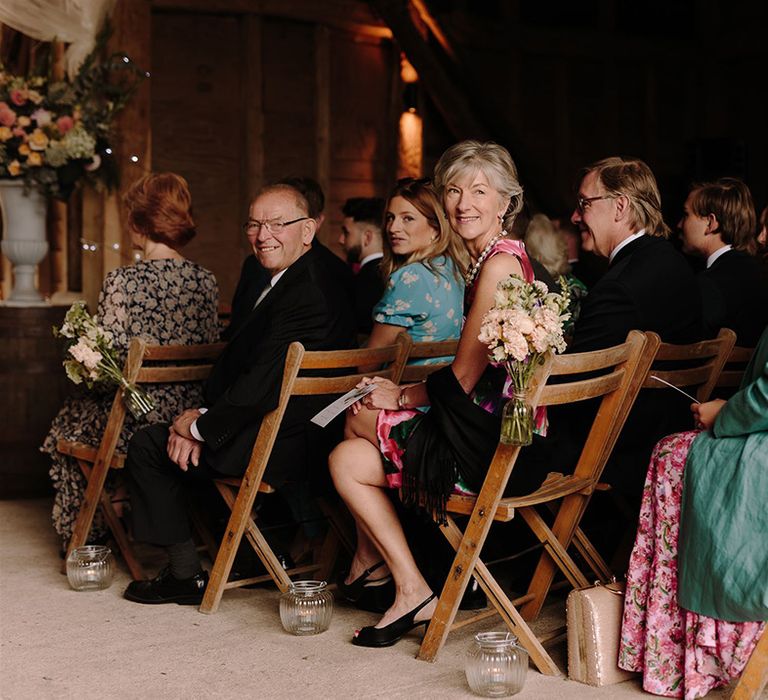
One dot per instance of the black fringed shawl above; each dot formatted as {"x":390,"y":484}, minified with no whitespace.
{"x":455,"y":438}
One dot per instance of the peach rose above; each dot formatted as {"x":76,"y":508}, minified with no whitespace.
{"x":24,"y":121}
{"x":64,"y":124}
{"x":5,"y":133}
{"x":35,"y":159}
{"x":7,"y":115}
{"x":24,"y":149}
{"x":38,"y":140}
{"x":14,"y":168}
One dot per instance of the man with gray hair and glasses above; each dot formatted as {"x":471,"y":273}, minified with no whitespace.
{"x":648,"y":286}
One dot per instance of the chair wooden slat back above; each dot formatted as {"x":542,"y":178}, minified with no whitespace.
{"x":702,"y":363}
{"x":424,"y":351}
{"x":735,"y":365}
{"x":240,"y":494}
{"x":350,"y":360}
{"x":624,"y":367}
{"x":190,"y":363}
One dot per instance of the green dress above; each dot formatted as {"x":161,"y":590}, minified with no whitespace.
{"x":723,"y":554}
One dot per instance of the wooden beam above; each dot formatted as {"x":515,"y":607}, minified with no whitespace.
{"x":434,"y":78}
{"x":323,"y":108}
{"x":253,"y":102}
{"x":351,"y":16}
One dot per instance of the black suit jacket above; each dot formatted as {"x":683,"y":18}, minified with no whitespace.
{"x":253,"y":279}
{"x":369,"y":287}
{"x":648,"y":287}
{"x":734,"y":293}
{"x":307,"y":304}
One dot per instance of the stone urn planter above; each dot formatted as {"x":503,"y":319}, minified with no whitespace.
{"x":24,"y":242}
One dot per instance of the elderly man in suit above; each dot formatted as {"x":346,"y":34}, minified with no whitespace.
{"x":718,"y":224}
{"x":648,"y":286}
{"x":302,"y":301}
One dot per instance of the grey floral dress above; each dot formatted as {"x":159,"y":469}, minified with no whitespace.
{"x":167,"y":302}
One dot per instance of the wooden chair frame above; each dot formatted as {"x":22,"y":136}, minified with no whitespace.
{"x":191,"y":363}
{"x":627,"y":365}
{"x":733,"y":370}
{"x":239,"y":494}
{"x":422,"y":351}
{"x":709,"y":356}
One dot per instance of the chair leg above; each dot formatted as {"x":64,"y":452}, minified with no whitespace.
{"x":754,"y":677}
{"x":116,"y":527}
{"x":503,"y":605}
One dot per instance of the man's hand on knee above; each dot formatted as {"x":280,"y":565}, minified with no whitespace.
{"x":183,"y":450}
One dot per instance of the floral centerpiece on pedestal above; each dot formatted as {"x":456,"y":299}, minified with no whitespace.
{"x":54,"y":133}
{"x":91,"y":357}
{"x":525,"y":323}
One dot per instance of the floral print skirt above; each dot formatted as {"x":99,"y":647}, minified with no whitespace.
{"x":680,"y":654}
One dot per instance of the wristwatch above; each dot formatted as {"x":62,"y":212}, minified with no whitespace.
{"x":401,"y":400}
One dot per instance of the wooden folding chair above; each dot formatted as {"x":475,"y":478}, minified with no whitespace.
{"x":423,"y":351}
{"x":733,"y":371}
{"x":700,"y":364}
{"x":240,"y":493}
{"x":623,"y":368}
{"x":754,"y":677}
{"x":145,"y":364}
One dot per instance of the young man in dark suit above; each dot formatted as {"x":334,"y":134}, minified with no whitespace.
{"x":361,"y":239}
{"x":718,"y":224}
{"x":302,"y":301}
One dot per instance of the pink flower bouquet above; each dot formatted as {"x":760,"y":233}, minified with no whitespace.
{"x":525,"y":323}
{"x":91,"y":357}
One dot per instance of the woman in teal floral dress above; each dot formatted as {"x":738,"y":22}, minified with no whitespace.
{"x":423,"y":262}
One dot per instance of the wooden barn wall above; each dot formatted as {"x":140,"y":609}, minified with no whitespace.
{"x":239,"y":100}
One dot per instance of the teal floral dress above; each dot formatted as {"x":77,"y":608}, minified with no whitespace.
{"x":426,"y":299}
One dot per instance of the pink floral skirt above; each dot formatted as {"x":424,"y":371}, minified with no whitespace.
{"x":680,"y":654}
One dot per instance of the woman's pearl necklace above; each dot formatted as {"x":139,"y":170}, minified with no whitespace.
{"x":469,"y":278}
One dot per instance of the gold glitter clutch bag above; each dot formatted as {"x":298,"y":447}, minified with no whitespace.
{"x":594,"y":629}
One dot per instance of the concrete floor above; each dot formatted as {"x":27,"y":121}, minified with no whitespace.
{"x":59,"y":643}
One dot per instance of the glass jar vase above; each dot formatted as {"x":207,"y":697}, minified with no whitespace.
{"x":517,"y":420}
{"x":496,"y":665}
{"x":306,"y":608}
{"x":90,"y":568}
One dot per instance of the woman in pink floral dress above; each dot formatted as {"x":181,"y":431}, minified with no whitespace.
{"x":697,"y":586}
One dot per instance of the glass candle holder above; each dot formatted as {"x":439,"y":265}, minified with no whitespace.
{"x":306,"y":608}
{"x":90,"y":568}
{"x":496,"y":665}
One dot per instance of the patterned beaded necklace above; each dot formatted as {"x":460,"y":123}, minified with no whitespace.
{"x":469,"y":278}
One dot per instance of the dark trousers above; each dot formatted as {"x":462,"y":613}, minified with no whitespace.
{"x":157,"y":488}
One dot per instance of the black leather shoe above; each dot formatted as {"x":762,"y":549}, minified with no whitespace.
{"x":387,"y":636}
{"x":165,"y":588}
{"x":474,"y":597}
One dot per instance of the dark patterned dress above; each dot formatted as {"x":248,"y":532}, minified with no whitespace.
{"x":166,"y":302}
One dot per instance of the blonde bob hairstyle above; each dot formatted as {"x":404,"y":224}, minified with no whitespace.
{"x":548,"y":245}
{"x":421,"y":194}
{"x":632,"y":178}
{"x":494,"y":162}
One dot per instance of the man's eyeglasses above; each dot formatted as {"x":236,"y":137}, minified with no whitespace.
{"x":582,"y":203}
{"x":253,"y":226}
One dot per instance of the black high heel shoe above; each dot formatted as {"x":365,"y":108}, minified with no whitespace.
{"x":387,"y":636}
{"x":352,"y":592}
